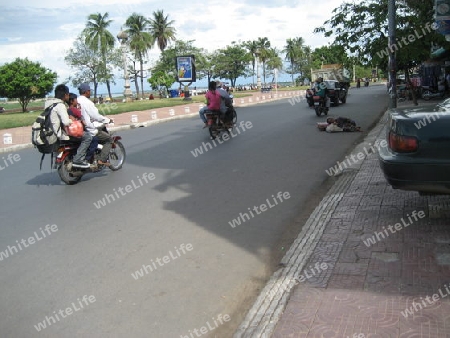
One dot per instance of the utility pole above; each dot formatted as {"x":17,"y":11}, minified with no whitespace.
{"x":392,"y":47}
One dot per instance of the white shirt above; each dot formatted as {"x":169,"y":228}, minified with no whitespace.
{"x":90,"y":114}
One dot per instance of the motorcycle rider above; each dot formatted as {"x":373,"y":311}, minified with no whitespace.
{"x":213,"y":101}
{"x":320,"y":90}
{"x":75,"y":112}
{"x":90,"y":115}
{"x":225,"y":100}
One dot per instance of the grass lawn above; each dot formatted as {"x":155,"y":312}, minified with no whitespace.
{"x":13,"y":117}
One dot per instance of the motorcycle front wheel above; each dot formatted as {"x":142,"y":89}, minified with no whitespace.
{"x":117,"y":156}
{"x":65,"y":173}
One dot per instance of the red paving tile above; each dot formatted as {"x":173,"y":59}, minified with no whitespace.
{"x":367,"y":289}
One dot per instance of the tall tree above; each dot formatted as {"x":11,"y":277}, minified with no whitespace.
{"x":100,"y":39}
{"x":252,"y":47}
{"x":161,"y":29}
{"x":362,"y":27}
{"x":25,"y":80}
{"x":274,"y":62}
{"x":231,"y":62}
{"x":87,"y":63}
{"x":140,"y":41}
{"x":294,"y":51}
{"x":264,"y":53}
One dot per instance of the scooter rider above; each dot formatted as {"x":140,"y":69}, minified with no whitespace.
{"x":90,"y":115}
{"x":320,"y":90}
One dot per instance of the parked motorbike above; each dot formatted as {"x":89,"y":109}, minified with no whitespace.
{"x":72,"y":175}
{"x":321,"y":106}
{"x":429,"y":93}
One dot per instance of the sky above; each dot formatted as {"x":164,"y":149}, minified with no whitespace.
{"x":44,"y":30}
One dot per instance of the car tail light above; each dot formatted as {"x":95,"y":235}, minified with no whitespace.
{"x":402,"y":144}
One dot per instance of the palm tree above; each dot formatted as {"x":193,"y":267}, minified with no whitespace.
{"x":291,"y":54}
{"x":252,"y":47}
{"x":294,"y":51}
{"x":161,"y":29}
{"x":99,"y":38}
{"x":264,"y":50}
{"x":140,"y":40}
{"x":274,"y":62}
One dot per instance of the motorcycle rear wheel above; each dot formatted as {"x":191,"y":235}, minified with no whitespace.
{"x":117,"y":156}
{"x":213,"y":132}
{"x":65,"y":174}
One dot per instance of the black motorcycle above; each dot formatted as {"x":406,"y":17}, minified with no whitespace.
{"x":219,"y":122}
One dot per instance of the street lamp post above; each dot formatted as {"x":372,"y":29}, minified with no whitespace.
{"x":258,"y":78}
{"x":123,"y":38}
{"x":276,"y":81}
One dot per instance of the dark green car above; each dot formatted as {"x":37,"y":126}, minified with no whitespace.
{"x":417,"y":154}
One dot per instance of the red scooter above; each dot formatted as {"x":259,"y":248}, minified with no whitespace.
{"x":72,"y":175}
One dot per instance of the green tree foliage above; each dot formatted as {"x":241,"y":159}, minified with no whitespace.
{"x":140,"y":41}
{"x":264,"y":53}
{"x":25,"y":80}
{"x":296,"y":54}
{"x":274,"y":62}
{"x":161,"y":80}
{"x":362,"y":28}
{"x":231,"y":62}
{"x":252,"y":48}
{"x":89,"y":65}
{"x":161,"y":29}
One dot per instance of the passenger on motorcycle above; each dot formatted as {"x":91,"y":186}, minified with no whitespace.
{"x":213,"y":100}
{"x":60,"y":116}
{"x":90,"y":115}
{"x":225,"y":102}
{"x":75,"y":113}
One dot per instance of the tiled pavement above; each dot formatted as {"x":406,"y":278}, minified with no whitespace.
{"x":365,"y":289}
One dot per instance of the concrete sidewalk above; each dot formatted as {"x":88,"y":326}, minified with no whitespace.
{"x":348,"y":275}
{"x":19,"y":138}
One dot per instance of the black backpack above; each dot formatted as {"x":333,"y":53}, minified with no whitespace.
{"x":43,"y":135}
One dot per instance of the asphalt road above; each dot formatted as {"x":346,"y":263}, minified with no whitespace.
{"x":170,"y":211}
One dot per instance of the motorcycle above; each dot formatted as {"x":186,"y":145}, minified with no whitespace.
{"x":321,"y":106}
{"x":72,"y":175}
{"x":429,"y":93}
{"x":219,"y":123}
